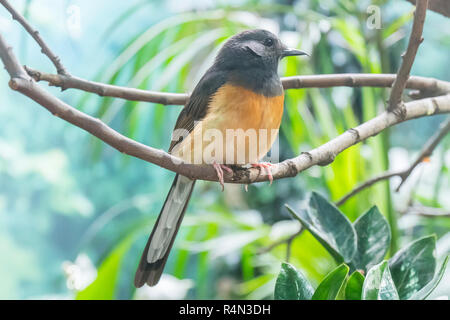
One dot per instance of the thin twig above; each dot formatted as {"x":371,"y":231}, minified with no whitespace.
{"x":426,"y":151}
{"x":365,"y":185}
{"x":107,"y":90}
{"x":440,"y":6}
{"x":288,"y":250}
{"x":423,"y":87}
{"x":415,"y":39}
{"x":35,"y":34}
{"x":428,"y":212}
{"x":286,"y":240}
{"x":426,"y":87}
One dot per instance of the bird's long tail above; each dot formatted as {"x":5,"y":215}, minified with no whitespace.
{"x":164,"y":232}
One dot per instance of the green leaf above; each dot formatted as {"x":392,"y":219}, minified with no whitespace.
{"x":373,"y":239}
{"x":329,"y":226}
{"x":413,"y":266}
{"x":329,"y":288}
{"x":353,"y":289}
{"x":378,"y":284}
{"x":423,"y":293}
{"x":292,"y":284}
{"x":103,"y":287}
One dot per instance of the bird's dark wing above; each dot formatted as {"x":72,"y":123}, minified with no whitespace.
{"x":197,"y":106}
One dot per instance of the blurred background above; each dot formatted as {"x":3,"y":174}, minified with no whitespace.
{"x":75,"y":214}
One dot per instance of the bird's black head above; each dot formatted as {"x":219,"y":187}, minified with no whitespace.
{"x":254,"y":49}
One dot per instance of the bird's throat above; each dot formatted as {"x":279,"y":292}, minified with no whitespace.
{"x":258,"y":80}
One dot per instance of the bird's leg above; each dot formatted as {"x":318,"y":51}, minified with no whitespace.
{"x":219,"y":169}
{"x":266,"y":166}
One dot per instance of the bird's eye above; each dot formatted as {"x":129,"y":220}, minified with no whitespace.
{"x":268,"y":42}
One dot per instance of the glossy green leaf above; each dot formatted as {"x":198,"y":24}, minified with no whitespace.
{"x":353,"y":288}
{"x":423,"y":293}
{"x":329,"y":226}
{"x":329,"y":288}
{"x":378,"y":284}
{"x":413,"y":266}
{"x":373,"y":239}
{"x":292,"y":284}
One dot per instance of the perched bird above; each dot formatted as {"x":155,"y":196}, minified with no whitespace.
{"x":241,"y":91}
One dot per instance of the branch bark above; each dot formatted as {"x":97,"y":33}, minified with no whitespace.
{"x":422,"y":86}
{"x":426,"y":151}
{"x":415,"y":39}
{"x":35,"y":34}
{"x":107,"y":90}
{"x":439,"y":6}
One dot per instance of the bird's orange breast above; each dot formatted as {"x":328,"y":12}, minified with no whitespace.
{"x":234,"y":107}
{"x":247,"y":122}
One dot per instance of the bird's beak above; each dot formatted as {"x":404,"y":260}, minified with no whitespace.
{"x":292,"y":52}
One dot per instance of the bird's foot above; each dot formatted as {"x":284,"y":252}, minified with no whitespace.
{"x":266,"y":166}
{"x":219,"y":170}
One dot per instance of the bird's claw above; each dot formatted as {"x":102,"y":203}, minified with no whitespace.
{"x":266,"y":166}
{"x":219,"y":170}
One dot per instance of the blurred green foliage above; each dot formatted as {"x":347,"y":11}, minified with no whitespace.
{"x":64,"y":194}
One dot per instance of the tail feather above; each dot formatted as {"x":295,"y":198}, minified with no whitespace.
{"x":161,"y":239}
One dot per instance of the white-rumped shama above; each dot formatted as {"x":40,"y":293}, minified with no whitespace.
{"x":241,"y":90}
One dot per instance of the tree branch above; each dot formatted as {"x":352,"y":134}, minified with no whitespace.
{"x":415,"y":39}
{"x":365,"y":185}
{"x":286,"y":240}
{"x":428,"y":212}
{"x":426,"y":151}
{"x":440,"y":6}
{"x":35,"y":34}
{"x":424,"y":87}
{"x":323,"y":155}
{"x":107,"y":90}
